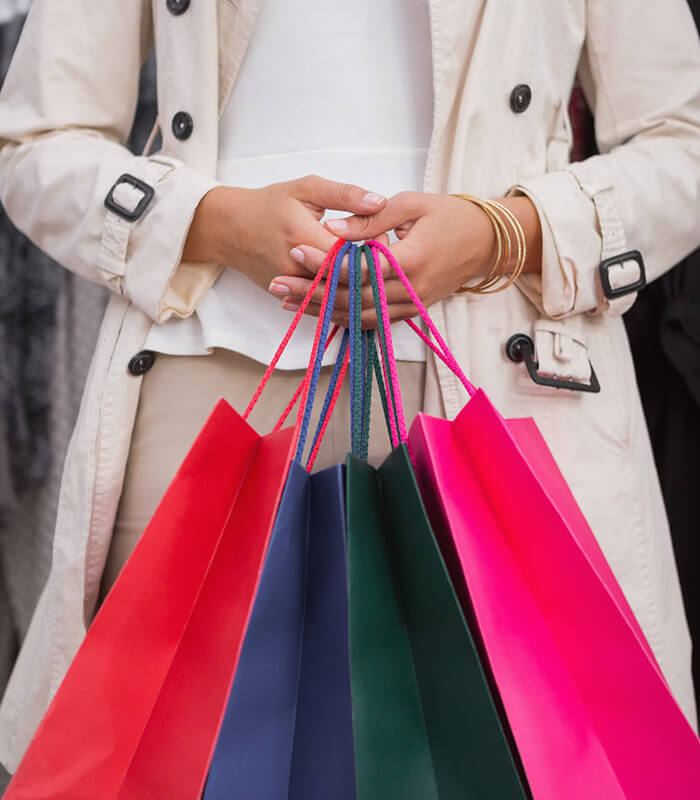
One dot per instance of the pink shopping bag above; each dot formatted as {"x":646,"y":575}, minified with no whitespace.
{"x":590,"y":712}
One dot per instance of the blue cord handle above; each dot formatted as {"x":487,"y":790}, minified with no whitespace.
{"x":313,"y":383}
{"x":331,"y":389}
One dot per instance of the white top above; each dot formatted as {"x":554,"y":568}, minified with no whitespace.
{"x":341,"y":89}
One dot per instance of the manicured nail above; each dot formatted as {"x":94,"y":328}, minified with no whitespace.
{"x":278,"y":288}
{"x":297,"y":254}
{"x":372,"y":199}
{"x":290,"y":304}
{"x":337,"y":226}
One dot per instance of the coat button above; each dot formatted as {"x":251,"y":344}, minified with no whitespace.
{"x":142,"y":362}
{"x":177,"y":7}
{"x":520,"y":98}
{"x":182,"y":125}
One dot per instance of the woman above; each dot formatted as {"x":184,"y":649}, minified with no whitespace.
{"x":346,"y":92}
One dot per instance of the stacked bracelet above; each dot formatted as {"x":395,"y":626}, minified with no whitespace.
{"x":503,"y":221}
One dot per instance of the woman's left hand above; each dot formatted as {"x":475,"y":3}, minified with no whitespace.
{"x":443,"y":241}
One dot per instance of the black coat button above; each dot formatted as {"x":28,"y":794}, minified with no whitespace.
{"x":178,"y":7}
{"x":520,"y":98}
{"x":182,"y":125}
{"x":142,"y":362}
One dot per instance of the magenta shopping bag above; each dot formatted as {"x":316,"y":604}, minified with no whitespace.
{"x":590,"y":712}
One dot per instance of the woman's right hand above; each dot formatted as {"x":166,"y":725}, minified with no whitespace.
{"x":254,"y":230}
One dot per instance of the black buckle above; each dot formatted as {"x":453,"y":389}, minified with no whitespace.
{"x":520,"y":347}
{"x":630,"y":255}
{"x":130,"y":216}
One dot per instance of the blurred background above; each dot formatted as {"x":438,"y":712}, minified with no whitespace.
{"x":49,"y":320}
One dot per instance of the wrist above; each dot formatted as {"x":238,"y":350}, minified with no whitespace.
{"x":524,"y":210}
{"x":210,"y":233}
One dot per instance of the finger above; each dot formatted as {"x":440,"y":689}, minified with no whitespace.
{"x":381,"y":262}
{"x":314,"y":235}
{"x":340,"y":196}
{"x":407,"y":255}
{"x":403,"y":230}
{"x":314,"y":310}
{"x":399,"y":210}
{"x":312,"y":259}
{"x":364,"y":268}
{"x":393,"y":289}
{"x":398,"y":312}
{"x":295,"y":289}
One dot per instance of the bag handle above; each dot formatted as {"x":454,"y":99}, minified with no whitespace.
{"x":308,"y":387}
{"x":394,"y":403}
{"x":338,"y":372}
{"x":330,"y":258}
{"x":297,"y":394}
{"x":363,"y":362}
{"x":362,"y":359}
{"x":441,"y":349}
{"x":309,"y":394}
{"x":358,"y":351}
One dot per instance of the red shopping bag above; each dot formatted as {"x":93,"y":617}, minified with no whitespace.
{"x":589,"y":709}
{"x":139,"y":709}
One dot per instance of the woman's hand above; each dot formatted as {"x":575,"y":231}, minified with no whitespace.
{"x":443,"y":242}
{"x":254,"y":230}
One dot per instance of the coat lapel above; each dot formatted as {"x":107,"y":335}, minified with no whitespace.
{"x":236,"y":22}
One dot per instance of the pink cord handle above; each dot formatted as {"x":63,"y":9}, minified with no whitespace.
{"x":402,"y":434}
{"x":444,"y":351}
{"x":304,"y":381}
{"x":329,"y":259}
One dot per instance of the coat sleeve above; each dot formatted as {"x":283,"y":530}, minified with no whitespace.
{"x":640,"y":72}
{"x":66,"y":109}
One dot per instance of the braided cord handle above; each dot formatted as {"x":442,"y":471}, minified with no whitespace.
{"x":397,"y":418}
{"x":329,"y":259}
{"x":355,"y":330}
{"x":364,"y":361}
{"x":362,"y":356}
{"x":309,"y":394}
{"x":334,"y":386}
{"x":441,"y":349}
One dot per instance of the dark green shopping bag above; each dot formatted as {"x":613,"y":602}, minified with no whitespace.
{"x":425,"y":724}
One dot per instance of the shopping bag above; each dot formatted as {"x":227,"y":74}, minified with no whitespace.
{"x":287,"y":730}
{"x":137,"y":714}
{"x":426,"y":725}
{"x":587,"y":704}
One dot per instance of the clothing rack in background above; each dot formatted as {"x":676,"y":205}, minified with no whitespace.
{"x":49,"y":322}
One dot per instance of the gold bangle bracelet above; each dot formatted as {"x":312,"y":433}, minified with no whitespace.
{"x":501,"y":232}
{"x":521,"y":241}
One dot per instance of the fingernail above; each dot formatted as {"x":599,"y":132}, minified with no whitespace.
{"x":291,"y":305}
{"x":297,"y":254}
{"x":278,"y":288}
{"x":373,"y":199}
{"x":338,"y":226}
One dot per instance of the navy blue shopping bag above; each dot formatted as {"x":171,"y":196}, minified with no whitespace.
{"x":287,"y":729}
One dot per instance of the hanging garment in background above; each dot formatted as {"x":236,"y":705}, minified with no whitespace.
{"x":49,"y":321}
{"x":11,"y":9}
{"x":664,"y":331}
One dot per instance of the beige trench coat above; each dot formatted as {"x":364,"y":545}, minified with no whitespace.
{"x":66,"y":109}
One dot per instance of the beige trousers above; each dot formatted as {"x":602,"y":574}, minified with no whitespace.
{"x":177,"y":395}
